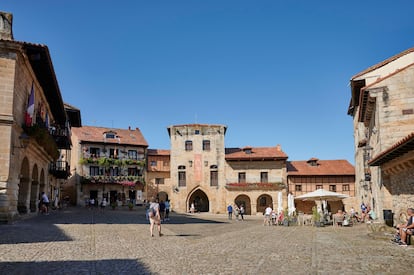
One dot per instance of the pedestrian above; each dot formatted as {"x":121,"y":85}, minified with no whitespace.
{"x":154,"y":217}
{"x":103,"y":204}
{"x":167,"y":210}
{"x":45,"y":203}
{"x":162,"y":210}
{"x":241,"y":210}
{"x":91,"y":203}
{"x":192,"y":208}
{"x":267,"y":213}
{"x":230,"y":211}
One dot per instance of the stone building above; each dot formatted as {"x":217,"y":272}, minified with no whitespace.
{"x":382,"y":107}
{"x":109,"y":163}
{"x":204,"y":172}
{"x":158,"y":175}
{"x":332,"y":175}
{"x":34,"y":127}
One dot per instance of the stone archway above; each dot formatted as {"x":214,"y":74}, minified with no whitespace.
{"x":200,"y":200}
{"x":264,"y":201}
{"x":24,"y":187}
{"x":34,"y":188}
{"x":245,"y":201}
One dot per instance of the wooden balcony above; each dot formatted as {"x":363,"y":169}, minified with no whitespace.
{"x":250,"y":186}
{"x":59,"y":169}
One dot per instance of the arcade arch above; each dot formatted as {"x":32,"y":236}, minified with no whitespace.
{"x":245,"y":201}
{"x":24,"y":186}
{"x":264,"y":201}
{"x":200,"y":200}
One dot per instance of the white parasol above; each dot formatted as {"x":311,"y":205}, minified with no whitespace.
{"x":291,"y":204}
{"x":279,"y":202}
{"x":321,"y":194}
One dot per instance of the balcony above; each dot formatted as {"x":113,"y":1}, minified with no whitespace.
{"x":59,"y":169}
{"x":107,"y":162}
{"x":251,"y":186}
{"x":43,"y":138}
{"x":121,"y":180}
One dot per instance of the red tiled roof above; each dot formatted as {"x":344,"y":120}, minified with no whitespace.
{"x":158,"y":152}
{"x":398,"y":149}
{"x":383,"y":63}
{"x":96,"y":134}
{"x":324,"y":167}
{"x":257,"y":153}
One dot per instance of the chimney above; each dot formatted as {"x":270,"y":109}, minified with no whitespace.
{"x":6,"y":23}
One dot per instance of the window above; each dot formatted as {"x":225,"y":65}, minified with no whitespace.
{"x":263,"y":177}
{"x":153,"y":163}
{"x":181,"y":178}
{"x":94,"y":152}
{"x":134,"y":172}
{"x":110,"y":135}
{"x":319,"y":187}
{"x":188,"y":145}
{"x":197,"y":132}
{"x":298,"y":187}
{"x":132,"y":154}
{"x":159,"y":181}
{"x":94,"y":170}
{"x":213,"y":178}
{"x":113,"y":153}
{"x":345,"y":187}
{"x":242,"y":177}
{"x":206,"y":145}
{"x":113,"y":171}
{"x":332,"y":188}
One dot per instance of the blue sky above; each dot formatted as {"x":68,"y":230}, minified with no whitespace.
{"x":274,"y":72}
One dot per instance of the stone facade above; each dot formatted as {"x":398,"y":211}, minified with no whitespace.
{"x":204,"y":172}
{"x":24,"y":157}
{"x":109,"y":163}
{"x":382,"y":105}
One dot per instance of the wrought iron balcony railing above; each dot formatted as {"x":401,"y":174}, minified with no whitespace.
{"x":59,"y":169}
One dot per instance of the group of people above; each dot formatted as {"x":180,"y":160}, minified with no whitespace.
{"x":237,"y":210}
{"x":271,"y":217}
{"x":405,"y":229}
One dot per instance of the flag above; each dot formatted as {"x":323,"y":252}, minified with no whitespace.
{"x":30,"y":108}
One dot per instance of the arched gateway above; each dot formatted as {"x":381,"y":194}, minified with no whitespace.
{"x":200,"y":200}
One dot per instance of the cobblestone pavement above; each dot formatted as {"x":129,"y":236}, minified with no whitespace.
{"x":82,"y":241}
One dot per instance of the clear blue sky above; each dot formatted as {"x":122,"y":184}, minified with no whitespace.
{"x":275,"y":72}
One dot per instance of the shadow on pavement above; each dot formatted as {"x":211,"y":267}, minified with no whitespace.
{"x":42,"y":228}
{"x":119,"y":266}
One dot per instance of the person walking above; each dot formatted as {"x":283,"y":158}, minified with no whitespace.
{"x":230,"y":211}
{"x":154,"y":217}
{"x":45,"y":202}
{"x":167,"y":210}
{"x":241,"y":209}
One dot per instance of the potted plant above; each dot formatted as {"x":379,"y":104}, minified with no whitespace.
{"x":130,"y":205}
{"x":316,"y":216}
{"x":113,"y":205}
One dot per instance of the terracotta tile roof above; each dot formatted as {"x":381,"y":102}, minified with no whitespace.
{"x":401,"y":147}
{"x":158,"y":152}
{"x":323,"y":167}
{"x":96,"y":134}
{"x":383,"y":63}
{"x":257,"y":153}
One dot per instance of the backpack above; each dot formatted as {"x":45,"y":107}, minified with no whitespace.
{"x":151,"y":212}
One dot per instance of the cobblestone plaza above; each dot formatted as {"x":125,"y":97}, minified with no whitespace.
{"x":82,"y":241}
